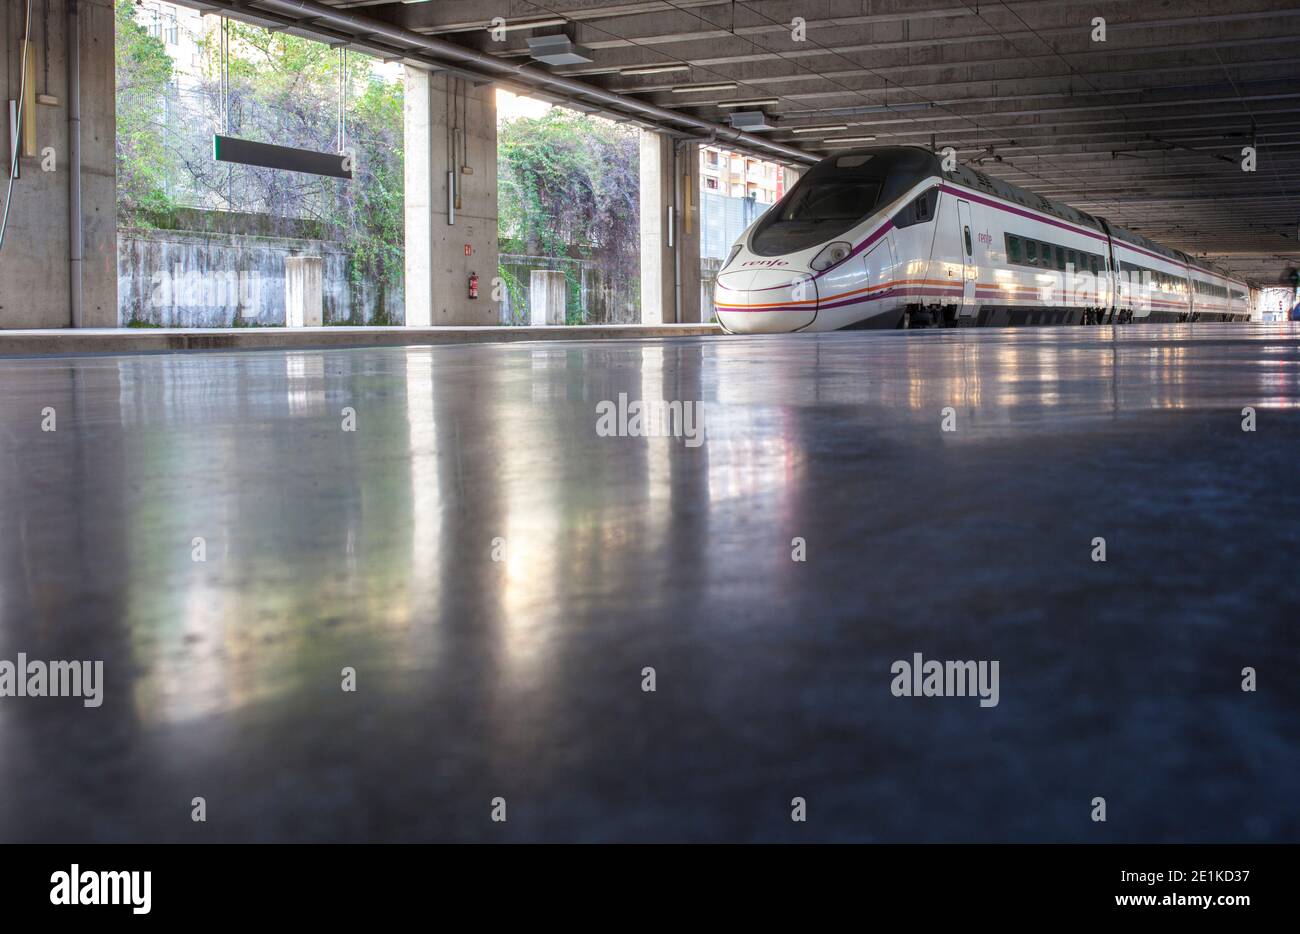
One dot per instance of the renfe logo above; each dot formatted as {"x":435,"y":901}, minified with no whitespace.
{"x":102,"y":888}
{"x":765,"y":262}
{"x":986,"y":239}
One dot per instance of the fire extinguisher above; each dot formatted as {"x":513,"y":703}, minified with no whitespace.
{"x":473,"y":285}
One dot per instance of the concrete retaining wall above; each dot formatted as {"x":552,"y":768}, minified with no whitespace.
{"x":173,"y":278}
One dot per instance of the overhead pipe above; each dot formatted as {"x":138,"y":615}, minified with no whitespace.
{"x":365,"y":28}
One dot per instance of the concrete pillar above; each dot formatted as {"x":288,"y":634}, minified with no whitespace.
{"x":670,"y":275}
{"x":790,"y":176}
{"x":304,"y":292}
{"x":445,"y":244}
{"x":34,"y":264}
{"x":548,"y":295}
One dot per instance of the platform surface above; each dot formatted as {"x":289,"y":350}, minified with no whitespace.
{"x":521,"y":678}
{"x":151,"y":340}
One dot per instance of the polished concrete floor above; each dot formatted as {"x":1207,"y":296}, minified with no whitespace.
{"x":521,"y":678}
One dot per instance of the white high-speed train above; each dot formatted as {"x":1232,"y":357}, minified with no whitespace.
{"x":883,"y":237}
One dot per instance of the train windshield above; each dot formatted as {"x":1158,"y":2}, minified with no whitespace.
{"x":814,"y":213}
{"x":835,"y":195}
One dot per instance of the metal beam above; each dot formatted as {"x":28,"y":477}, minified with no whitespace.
{"x":487,"y":68}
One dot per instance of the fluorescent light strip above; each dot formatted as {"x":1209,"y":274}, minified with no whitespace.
{"x":692,"y":88}
{"x":653,"y":69}
{"x":854,"y":111}
{"x":757,"y":102}
{"x":528,"y":24}
{"x":850,"y":139}
{"x":830,"y":128}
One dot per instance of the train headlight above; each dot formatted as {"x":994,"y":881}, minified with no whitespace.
{"x":831,"y":254}
{"x":730,"y":256}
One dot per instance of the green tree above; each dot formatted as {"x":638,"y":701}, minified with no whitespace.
{"x":569,"y":187}
{"x":143,"y":76}
{"x":285,"y":90}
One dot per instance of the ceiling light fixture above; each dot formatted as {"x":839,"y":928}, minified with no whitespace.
{"x":528,"y":24}
{"x":850,"y":139}
{"x":653,"y":69}
{"x":854,"y":111}
{"x":692,"y":88}
{"x":828,"y":128}
{"x":756,"y":102}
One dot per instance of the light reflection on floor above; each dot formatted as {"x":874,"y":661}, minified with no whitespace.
{"x":520,"y":677}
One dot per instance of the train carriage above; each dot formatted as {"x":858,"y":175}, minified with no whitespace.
{"x":883,"y":237}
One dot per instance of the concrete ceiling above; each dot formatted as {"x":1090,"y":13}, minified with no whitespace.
{"x":1145,"y":128}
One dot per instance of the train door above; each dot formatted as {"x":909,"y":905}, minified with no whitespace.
{"x":1114,"y":300}
{"x":968,"y":258}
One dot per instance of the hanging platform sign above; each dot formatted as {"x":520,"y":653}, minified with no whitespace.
{"x":268,"y":156}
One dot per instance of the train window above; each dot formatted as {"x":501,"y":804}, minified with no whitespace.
{"x":833,"y":201}
{"x":966,"y":234}
{"x":1072,"y":260}
{"x":1060,"y":258}
{"x":919,"y":211}
{"x":839,"y":194}
{"x":1046,"y":249}
{"x":1013,"y":248}
{"x":817,"y":209}
{"x":1031,"y":252}
{"x":1092,"y":262}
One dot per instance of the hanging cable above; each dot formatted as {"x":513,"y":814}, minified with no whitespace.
{"x":225,"y":76}
{"x":22,"y":96}
{"x":225,"y":106}
{"x":45,"y":36}
{"x":339,"y":137}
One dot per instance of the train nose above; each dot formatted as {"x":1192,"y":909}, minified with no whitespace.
{"x":765,"y":301}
